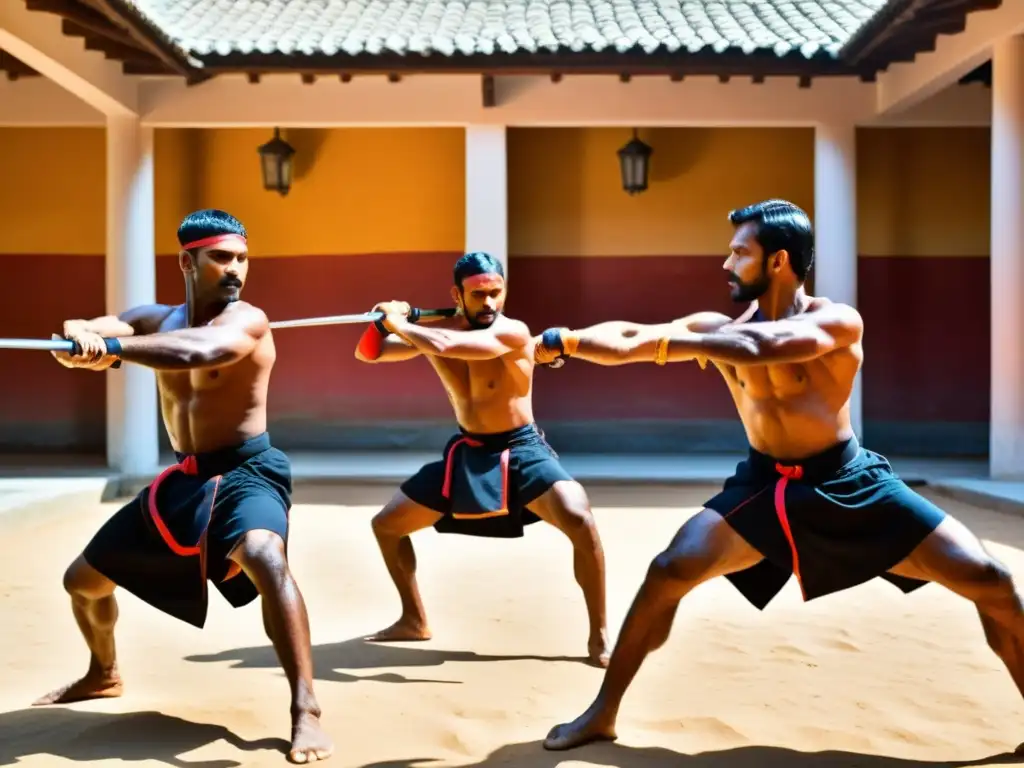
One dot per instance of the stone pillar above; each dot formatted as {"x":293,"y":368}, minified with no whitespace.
{"x":132,"y":413}
{"x":487,"y":191}
{"x":1006,"y":421}
{"x":835,"y":227}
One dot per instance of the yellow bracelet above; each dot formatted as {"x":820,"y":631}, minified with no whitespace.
{"x":570,"y":341}
{"x":661,"y":356}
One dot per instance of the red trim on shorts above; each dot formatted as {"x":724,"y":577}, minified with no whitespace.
{"x":794,"y":472}
{"x":189,"y":467}
{"x":447,"y":487}
{"x":742,"y":504}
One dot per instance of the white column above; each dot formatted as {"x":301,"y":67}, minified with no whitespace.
{"x":1006,"y":427}
{"x":487,"y":191}
{"x":835,"y":226}
{"x":132,"y":427}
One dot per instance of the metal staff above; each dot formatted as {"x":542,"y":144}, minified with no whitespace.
{"x":415,"y":315}
{"x":66,"y":345}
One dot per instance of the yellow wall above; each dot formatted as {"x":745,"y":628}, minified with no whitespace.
{"x":921,"y":192}
{"x":355,"y":191}
{"x":52,"y":194}
{"x":566,"y":198}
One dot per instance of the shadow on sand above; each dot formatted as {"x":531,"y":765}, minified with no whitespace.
{"x":533,"y":755}
{"x":359,"y":654}
{"x":134,"y":736}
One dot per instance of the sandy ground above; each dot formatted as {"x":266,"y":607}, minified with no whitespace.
{"x":864,"y":679}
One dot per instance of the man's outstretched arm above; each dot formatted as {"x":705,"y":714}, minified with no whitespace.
{"x":796,"y":339}
{"x":90,"y":334}
{"x":619,"y":342}
{"x":132,"y":322}
{"x":229,"y":338}
{"x":476,"y":344}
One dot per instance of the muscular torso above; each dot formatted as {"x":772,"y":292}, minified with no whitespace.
{"x":795,"y":410}
{"x":210,"y":408}
{"x":488,"y":395}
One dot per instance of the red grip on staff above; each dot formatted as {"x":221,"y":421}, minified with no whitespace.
{"x":371,"y":342}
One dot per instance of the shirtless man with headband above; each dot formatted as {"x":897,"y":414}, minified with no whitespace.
{"x":497,"y":474}
{"x":809,"y":501}
{"x":221,"y":514}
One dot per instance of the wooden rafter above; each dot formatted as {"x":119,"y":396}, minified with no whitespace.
{"x":111,"y":33}
{"x":487,"y":91}
{"x":905,"y":28}
{"x":101,"y":33}
{"x":125,"y":15}
{"x":15,"y":68}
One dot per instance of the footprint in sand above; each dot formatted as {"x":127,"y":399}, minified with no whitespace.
{"x":452,"y":742}
{"x":790,"y":651}
{"x":708,"y":727}
{"x":903,"y":736}
{"x":841,"y":645}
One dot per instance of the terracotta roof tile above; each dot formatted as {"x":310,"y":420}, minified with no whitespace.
{"x":449,"y":27}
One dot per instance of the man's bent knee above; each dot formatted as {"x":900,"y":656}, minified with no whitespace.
{"x":402,"y":517}
{"x":704,"y":548}
{"x":565,"y":505}
{"x":990,"y":585}
{"x":83,"y":581}
{"x":381,"y":524}
{"x":261,"y":554}
{"x":674,"y":569}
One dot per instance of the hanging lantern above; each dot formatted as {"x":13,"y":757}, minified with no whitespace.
{"x":634,"y":163}
{"x":276,"y":163}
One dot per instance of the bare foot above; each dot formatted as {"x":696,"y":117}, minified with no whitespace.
{"x":598,"y":651}
{"x":309,"y":742}
{"x":95,"y":685}
{"x":584,"y":729}
{"x":403,"y":629}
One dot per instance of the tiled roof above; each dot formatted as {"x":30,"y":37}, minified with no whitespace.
{"x":205,"y":28}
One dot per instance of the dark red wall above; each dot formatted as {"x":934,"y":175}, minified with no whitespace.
{"x":926,"y":374}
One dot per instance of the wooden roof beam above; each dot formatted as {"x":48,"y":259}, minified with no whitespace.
{"x":37,"y":40}
{"x":904,"y":85}
{"x":488,"y":92}
{"x":125,"y":15}
{"x":110,"y":32}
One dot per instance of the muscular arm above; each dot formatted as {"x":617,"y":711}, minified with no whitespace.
{"x":619,"y":342}
{"x":477,"y":344}
{"x":393,"y":349}
{"x":229,"y":338}
{"x":793,"y":340}
{"x":136,"y":321}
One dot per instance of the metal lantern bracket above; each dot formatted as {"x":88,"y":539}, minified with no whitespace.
{"x":634,"y":164}
{"x":276,"y":164}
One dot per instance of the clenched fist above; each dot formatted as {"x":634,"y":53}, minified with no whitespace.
{"x":394,"y":308}
{"x":89,"y":361}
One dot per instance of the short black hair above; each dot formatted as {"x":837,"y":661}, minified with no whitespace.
{"x":208,"y":222}
{"x":477,"y":263}
{"x":781,"y":226}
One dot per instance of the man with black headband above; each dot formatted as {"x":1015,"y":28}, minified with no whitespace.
{"x":221,"y":513}
{"x":808,"y":502}
{"x":497,"y":474}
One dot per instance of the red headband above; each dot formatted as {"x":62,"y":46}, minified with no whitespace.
{"x":213,"y":240}
{"x":485,"y":278}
